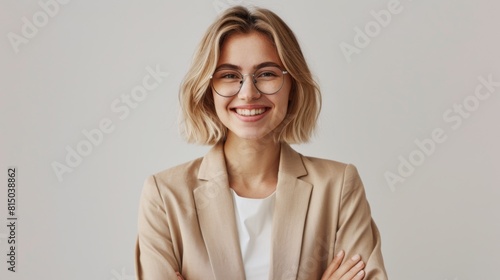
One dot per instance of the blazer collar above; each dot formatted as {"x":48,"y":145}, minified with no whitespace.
{"x":217,"y":218}
{"x":216,"y":215}
{"x":292,"y":202}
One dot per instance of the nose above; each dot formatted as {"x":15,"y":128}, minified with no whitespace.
{"x":248,"y":91}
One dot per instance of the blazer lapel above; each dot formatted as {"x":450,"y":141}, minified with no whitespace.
{"x":216,"y":216}
{"x":292,"y":203}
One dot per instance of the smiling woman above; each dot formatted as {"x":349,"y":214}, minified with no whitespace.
{"x":262,"y":103}
{"x":253,"y":208}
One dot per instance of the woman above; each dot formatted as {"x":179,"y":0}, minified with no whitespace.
{"x":253,"y":208}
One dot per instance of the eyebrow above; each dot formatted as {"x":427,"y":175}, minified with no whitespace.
{"x":258,"y":66}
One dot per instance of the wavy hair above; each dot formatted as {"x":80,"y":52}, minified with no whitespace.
{"x":200,"y":123}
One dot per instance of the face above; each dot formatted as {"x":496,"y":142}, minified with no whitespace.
{"x":250,"y":114}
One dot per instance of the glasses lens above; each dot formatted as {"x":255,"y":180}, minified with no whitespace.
{"x":226,"y":82}
{"x":267,"y":80}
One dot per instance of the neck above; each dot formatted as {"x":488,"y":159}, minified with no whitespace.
{"x":252,"y":166}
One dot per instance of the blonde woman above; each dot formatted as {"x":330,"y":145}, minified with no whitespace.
{"x":253,"y":208}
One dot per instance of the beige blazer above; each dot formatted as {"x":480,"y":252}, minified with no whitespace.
{"x":187,"y":221}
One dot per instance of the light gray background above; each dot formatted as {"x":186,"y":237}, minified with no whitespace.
{"x":440,"y":223}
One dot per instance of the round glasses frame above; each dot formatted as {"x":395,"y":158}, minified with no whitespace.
{"x":254,"y":81}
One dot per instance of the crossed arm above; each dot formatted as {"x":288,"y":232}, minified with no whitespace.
{"x":352,"y":269}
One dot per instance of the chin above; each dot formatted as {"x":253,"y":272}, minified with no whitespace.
{"x":252,"y":135}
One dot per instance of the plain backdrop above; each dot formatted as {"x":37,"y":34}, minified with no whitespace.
{"x":68,"y":67}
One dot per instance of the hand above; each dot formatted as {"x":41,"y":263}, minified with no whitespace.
{"x":352,"y":269}
{"x":179,"y":276}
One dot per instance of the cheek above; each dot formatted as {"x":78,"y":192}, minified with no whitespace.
{"x":284,"y":108}
{"x":281,"y":106}
{"x":220,"y":104}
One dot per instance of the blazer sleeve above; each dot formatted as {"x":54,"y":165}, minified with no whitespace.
{"x":357,"y":232}
{"x":154,"y":253}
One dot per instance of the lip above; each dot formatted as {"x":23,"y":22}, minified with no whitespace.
{"x":250,"y":107}
{"x":255,"y":106}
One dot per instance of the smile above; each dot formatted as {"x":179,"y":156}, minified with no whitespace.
{"x":250,"y":112}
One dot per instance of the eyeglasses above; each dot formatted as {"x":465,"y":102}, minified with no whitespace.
{"x":267,"y":80}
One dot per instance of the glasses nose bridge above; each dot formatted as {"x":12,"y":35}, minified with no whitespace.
{"x":253,"y":86}
{"x":243,"y":78}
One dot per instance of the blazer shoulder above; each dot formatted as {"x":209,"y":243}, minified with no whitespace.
{"x":329,"y":170}
{"x":181,"y":175}
{"x":322,"y":164}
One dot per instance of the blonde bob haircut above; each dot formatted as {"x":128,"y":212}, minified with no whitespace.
{"x":200,"y":123}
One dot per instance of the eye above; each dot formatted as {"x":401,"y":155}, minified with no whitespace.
{"x":228,"y":75}
{"x":268,"y":73}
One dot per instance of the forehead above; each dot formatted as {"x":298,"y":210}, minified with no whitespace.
{"x":247,"y":50}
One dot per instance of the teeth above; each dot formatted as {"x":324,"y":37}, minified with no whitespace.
{"x":250,"y":112}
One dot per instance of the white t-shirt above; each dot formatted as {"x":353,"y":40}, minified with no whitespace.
{"x":254,"y":218}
